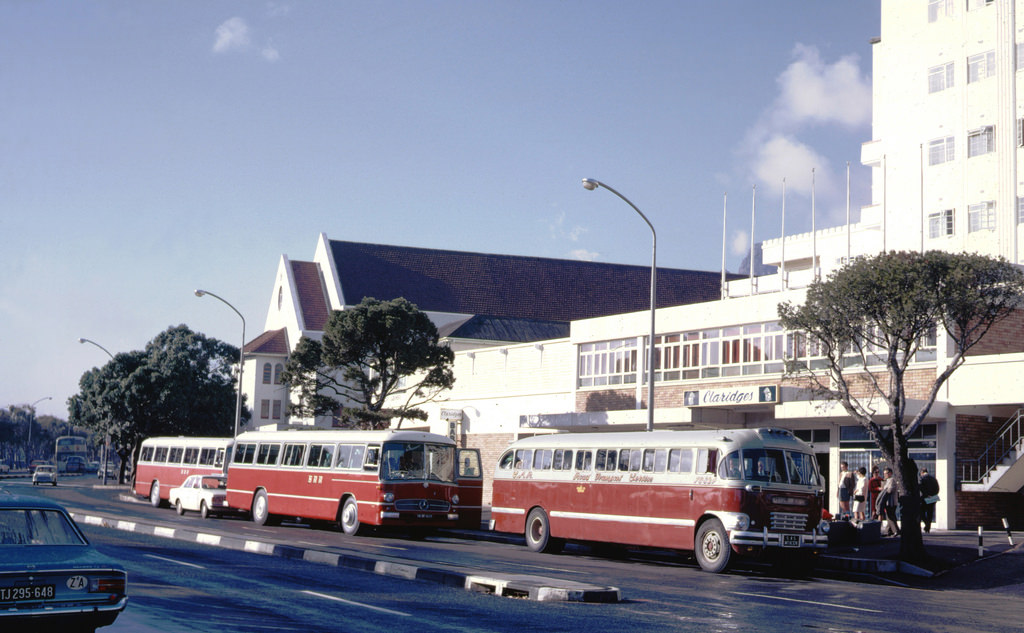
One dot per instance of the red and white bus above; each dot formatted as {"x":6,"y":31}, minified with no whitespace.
{"x":355,"y":478}
{"x":745,"y":491}
{"x":166,"y":462}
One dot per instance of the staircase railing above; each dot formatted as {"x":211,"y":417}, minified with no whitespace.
{"x":1007,"y":439}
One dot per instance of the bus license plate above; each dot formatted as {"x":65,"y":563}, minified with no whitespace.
{"x":24,"y":594}
{"x":791,"y":540}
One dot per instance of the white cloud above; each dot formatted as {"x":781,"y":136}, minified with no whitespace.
{"x":812,"y":91}
{"x":583,"y":254}
{"x":740,"y":243}
{"x":271,"y":54}
{"x":786,"y":157}
{"x":232,"y":35}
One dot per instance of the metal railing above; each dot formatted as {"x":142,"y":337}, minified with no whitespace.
{"x":1008,"y":439}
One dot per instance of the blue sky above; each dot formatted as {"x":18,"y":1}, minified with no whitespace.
{"x":152,"y":148}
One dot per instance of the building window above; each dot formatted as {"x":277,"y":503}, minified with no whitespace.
{"x":981,"y":66}
{"x":940,"y":223}
{"x":981,"y":141}
{"x":1020,"y":210}
{"x":939,"y":9}
{"x":264,"y":409}
{"x":277,"y":409}
{"x":940,"y":77}
{"x":278,"y":368}
{"x":981,"y":217}
{"x":977,"y":4}
{"x":1020,"y":57}
{"x":941,"y":150}
{"x":608,"y":363}
{"x":266,"y":373}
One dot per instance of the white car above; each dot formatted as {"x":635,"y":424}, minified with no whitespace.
{"x":44,"y":474}
{"x":204,"y":494}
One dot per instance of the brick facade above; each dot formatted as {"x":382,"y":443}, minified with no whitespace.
{"x":985,"y":509}
{"x":1005,"y":337}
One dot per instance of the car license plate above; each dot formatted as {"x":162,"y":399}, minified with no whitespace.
{"x":23,"y":594}
{"x":791,"y":540}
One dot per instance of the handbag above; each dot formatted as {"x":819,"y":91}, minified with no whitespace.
{"x":858,"y":498}
{"x":932,"y":499}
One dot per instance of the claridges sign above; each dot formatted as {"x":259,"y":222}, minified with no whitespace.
{"x":732,"y":396}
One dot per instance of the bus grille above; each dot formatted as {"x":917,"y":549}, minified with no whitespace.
{"x":789,"y":521}
{"x":421,"y":505}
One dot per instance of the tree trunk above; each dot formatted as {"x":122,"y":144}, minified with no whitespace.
{"x":911,"y":541}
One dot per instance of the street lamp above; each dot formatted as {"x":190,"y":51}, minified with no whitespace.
{"x":590,"y":184}
{"x":85,"y":340}
{"x":241,"y":356}
{"x":106,"y":443}
{"x":30,"y":421}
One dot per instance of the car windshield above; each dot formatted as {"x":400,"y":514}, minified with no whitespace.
{"x":409,"y":460}
{"x":22,"y":526}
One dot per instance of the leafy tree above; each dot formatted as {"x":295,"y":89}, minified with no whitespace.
{"x":183,"y":383}
{"x":869,"y":320}
{"x":376,"y":351}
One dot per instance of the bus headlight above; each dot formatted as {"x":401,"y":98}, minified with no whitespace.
{"x":389,"y":497}
{"x":823,"y":526}
{"x":733,"y":520}
{"x":455,"y":500}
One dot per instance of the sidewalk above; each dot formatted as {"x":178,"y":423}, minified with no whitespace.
{"x":955,"y":556}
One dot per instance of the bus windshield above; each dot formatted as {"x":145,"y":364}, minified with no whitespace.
{"x":771,"y":465}
{"x":409,"y":460}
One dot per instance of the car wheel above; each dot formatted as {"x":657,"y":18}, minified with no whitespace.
{"x":538,"y":533}
{"x":712,"y":546}
{"x":154,"y":494}
{"x":177,"y":507}
{"x":204,"y":511}
{"x":260,"y":508}
{"x":350,"y":517}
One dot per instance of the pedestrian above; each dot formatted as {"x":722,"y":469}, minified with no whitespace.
{"x":929,"y":488}
{"x":860,"y":495}
{"x":887,"y":502}
{"x":874,"y":489}
{"x":845,"y":492}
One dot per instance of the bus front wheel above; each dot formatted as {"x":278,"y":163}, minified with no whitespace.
{"x":712,"y":546}
{"x":349,"y":518}
{"x":538,"y":533}
{"x":260,"y":508}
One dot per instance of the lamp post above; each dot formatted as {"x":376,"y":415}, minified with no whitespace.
{"x":30,"y":421}
{"x":590,"y":184}
{"x":106,"y":443}
{"x":241,"y":356}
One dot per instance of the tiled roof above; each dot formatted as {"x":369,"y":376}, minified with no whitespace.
{"x":312,"y":300}
{"x":509,"y":285}
{"x":274,"y":342}
{"x":487,"y":328}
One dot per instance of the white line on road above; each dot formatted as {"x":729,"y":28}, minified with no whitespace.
{"x":814,"y":602}
{"x":176,"y":562}
{"x":354,"y":604}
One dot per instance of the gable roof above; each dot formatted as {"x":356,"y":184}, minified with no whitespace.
{"x":510,"y":285}
{"x":488,"y":328}
{"x":309,"y":289}
{"x":273,"y":342}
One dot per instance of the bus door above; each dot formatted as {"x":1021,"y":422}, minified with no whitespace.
{"x":471,"y":488}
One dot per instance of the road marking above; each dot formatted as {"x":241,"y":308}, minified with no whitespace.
{"x":354,"y":604}
{"x":814,"y":602}
{"x":176,"y":562}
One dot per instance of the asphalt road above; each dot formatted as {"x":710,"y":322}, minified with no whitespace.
{"x":181,"y":586}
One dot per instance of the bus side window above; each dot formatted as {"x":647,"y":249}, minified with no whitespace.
{"x":244,"y":453}
{"x":505,"y":463}
{"x":624,"y":459}
{"x":192,"y":455}
{"x":147,"y":454}
{"x":372,"y":459}
{"x":542,"y":459}
{"x":524,"y":459}
{"x":707,"y":460}
{"x":563,"y":460}
{"x":654,"y":460}
{"x":583,"y":460}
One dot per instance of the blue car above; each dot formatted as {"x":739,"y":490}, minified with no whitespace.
{"x":51,"y":578}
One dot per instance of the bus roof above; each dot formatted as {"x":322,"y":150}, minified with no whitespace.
{"x":723,"y":438}
{"x":344,"y":436}
{"x":182,"y":440}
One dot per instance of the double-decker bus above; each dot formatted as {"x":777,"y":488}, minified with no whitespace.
{"x":745,"y":491}
{"x":166,"y":462}
{"x":391,"y":478}
{"x":70,"y":448}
